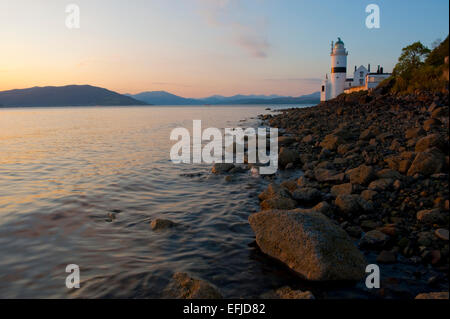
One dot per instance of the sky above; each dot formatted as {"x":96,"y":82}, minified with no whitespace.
{"x":197,"y":48}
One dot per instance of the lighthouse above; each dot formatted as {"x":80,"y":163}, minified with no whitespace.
{"x":338,"y":68}
{"x":338,"y":82}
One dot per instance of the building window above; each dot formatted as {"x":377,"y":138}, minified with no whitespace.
{"x":361,"y":74}
{"x":361,"y":81}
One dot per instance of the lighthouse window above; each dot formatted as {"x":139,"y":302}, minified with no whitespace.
{"x":323,"y":88}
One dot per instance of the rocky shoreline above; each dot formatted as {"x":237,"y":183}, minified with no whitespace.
{"x":375,"y":174}
{"x":376,"y":165}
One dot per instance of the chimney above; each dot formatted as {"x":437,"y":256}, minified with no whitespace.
{"x":355,"y":68}
{"x":381,"y":70}
{"x":378,"y":69}
{"x":368,"y":69}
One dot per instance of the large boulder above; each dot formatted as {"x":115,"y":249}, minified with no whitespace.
{"x":426,"y":163}
{"x":361,"y":175}
{"x":328,"y":176}
{"x":429,"y":141}
{"x":309,"y":243}
{"x":342,"y":189}
{"x":183,"y":286}
{"x":278,"y":203}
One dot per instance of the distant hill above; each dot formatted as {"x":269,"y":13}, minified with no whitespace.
{"x":305,"y":99}
{"x":71,"y":95}
{"x":165,"y":98}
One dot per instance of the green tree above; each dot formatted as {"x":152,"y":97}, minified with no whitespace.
{"x":413,"y":56}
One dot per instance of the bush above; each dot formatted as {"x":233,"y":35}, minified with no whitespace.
{"x":420,"y":69}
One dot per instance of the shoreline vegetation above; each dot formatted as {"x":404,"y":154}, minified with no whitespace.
{"x":375,"y":173}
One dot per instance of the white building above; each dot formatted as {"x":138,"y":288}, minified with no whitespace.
{"x":339,"y":83}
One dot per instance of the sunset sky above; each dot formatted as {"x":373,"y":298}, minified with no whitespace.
{"x":197,"y":48}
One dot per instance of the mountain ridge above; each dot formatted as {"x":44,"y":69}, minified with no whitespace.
{"x":68,"y":95}
{"x":166,"y":98}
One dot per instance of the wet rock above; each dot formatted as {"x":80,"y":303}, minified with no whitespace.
{"x":221,"y":168}
{"x":442,"y":233}
{"x":278,"y":203}
{"x":274,"y":191}
{"x":306,"y":195}
{"x":306,"y":182}
{"x":287,"y":293}
{"x":343,"y":189}
{"x":237,"y":170}
{"x":183,"y":286}
{"x":290,"y":185}
{"x":361,"y":175}
{"x":387,"y":257}
{"x":433,"y":295}
{"x":430,"y":216}
{"x":309,"y":243}
{"x":327,"y":175}
{"x":374,"y":239}
{"x":159,"y":224}
{"x":287,"y":156}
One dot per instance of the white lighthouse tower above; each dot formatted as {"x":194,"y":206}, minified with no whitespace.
{"x":338,"y":68}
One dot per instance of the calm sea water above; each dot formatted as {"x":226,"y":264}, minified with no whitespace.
{"x":63,"y":171}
